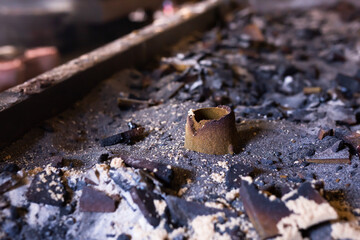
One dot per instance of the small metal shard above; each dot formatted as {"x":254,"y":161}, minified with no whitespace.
{"x":127,"y":137}
{"x":254,"y":32}
{"x":323,"y":132}
{"x":160,"y":170}
{"x":298,"y":209}
{"x":329,"y":156}
{"x":182,"y":211}
{"x":93,"y":200}
{"x":311,"y":90}
{"x":353,"y":139}
{"x":263,"y":212}
{"x":144,"y":199}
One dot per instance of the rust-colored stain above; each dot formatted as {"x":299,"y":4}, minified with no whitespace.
{"x":211,"y":130}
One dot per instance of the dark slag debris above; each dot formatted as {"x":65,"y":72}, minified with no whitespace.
{"x":127,"y":137}
{"x":92,"y":200}
{"x":7,"y":181}
{"x":337,"y":146}
{"x":320,"y":232}
{"x":351,"y":138}
{"x":182,"y":211}
{"x":47,"y":188}
{"x":323,"y":132}
{"x":11,"y":167}
{"x":160,"y":170}
{"x":263,"y":213}
{"x":103,"y":157}
{"x":144,"y":199}
{"x":123,"y":236}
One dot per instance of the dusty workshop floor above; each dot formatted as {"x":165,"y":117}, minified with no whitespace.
{"x":263,"y":77}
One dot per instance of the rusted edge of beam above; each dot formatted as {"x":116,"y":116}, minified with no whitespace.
{"x":25,"y":105}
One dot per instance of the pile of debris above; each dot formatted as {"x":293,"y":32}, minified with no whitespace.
{"x":292,"y":80}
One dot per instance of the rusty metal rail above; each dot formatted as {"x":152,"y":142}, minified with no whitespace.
{"x":42,"y":97}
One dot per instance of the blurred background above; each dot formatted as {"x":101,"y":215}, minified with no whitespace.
{"x":38,"y":35}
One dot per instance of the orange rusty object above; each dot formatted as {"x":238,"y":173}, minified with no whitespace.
{"x":211,"y":130}
{"x":11,"y":73}
{"x":39,"y":60}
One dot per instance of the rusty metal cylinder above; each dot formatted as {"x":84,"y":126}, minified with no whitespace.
{"x":211,"y":130}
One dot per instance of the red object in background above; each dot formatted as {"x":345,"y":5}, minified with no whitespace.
{"x":39,"y":60}
{"x":32,"y":63}
{"x":168,"y":8}
{"x":11,"y":73}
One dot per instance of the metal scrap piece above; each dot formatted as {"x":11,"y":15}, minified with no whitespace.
{"x":127,"y":137}
{"x":263,"y":212}
{"x":126,"y":103}
{"x":182,"y":211}
{"x":144,"y":199}
{"x":161,"y":171}
{"x":329,"y":156}
{"x":211,"y":130}
{"x":353,"y":139}
{"x":93,"y":200}
{"x":299,"y":209}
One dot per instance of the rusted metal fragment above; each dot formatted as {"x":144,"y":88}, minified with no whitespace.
{"x":236,"y":171}
{"x":180,"y":64}
{"x":47,"y":187}
{"x":323,"y":132}
{"x":144,"y":199}
{"x":182,"y":211}
{"x":160,"y":170}
{"x":127,"y":137}
{"x":93,"y":200}
{"x":254,"y":32}
{"x":329,"y":156}
{"x":330,"y":161}
{"x":211,"y":130}
{"x":311,"y":90}
{"x":352,"y":138}
{"x":263,"y":212}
